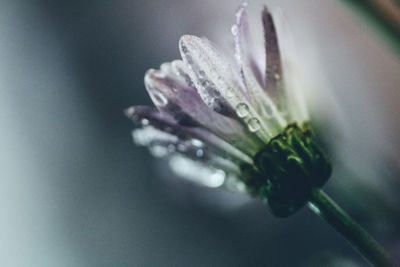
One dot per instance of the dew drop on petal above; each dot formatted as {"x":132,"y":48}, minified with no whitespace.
{"x":217,"y":178}
{"x":171,"y":148}
{"x":268,"y":110}
{"x":144,"y":122}
{"x":199,"y":153}
{"x":254,"y":125}
{"x":197,"y":142}
{"x":242,"y":110}
{"x":204,"y":82}
{"x":235,"y":30}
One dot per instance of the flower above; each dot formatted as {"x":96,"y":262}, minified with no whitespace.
{"x":238,"y":115}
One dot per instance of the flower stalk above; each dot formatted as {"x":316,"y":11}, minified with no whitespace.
{"x":321,"y":204}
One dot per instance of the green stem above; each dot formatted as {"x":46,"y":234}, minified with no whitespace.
{"x":325,"y":207}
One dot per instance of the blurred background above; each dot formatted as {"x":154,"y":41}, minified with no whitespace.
{"x":74,"y":189}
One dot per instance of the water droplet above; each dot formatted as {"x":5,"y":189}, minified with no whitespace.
{"x":235,"y":29}
{"x":184,"y":48}
{"x":159,"y":98}
{"x":182,"y":147}
{"x":253,"y":124}
{"x":171,"y":148}
{"x":144,"y":122}
{"x":268,"y":110}
{"x":199,"y":153}
{"x":202,"y":73}
{"x":196,"y":142}
{"x":277,"y":76}
{"x":217,"y":178}
{"x":205,"y":83}
{"x":242,"y":110}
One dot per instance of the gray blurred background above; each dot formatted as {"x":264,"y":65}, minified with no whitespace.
{"x":74,"y":189}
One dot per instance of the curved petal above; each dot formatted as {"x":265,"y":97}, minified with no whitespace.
{"x":216,"y":82}
{"x":161,"y":143}
{"x":188,"y":108}
{"x":209,"y":88}
{"x":145,"y":116}
{"x":273,"y":60}
{"x":258,"y":97}
{"x":244,"y":47}
{"x":204,"y":174}
{"x":294,"y":101}
{"x":163,"y":91}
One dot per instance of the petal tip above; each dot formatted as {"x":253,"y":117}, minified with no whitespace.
{"x":186,"y":38}
{"x":266,"y":9}
{"x":186,"y":41}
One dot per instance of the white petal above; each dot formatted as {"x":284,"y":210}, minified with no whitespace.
{"x":217,"y":84}
{"x":166,"y":123}
{"x":196,"y":172}
{"x":295,"y":102}
{"x":257,"y":94}
{"x":205,"y":174}
{"x":210,"y":80}
{"x":244,"y":46}
{"x":273,"y":57}
{"x":187,"y":107}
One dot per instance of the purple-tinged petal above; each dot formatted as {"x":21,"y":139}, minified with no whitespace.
{"x":157,"y":141}
{"x":255,"y":91}
{"x":244,"y":47}
{"x":162,"y":87}
{"x":162,"y":144}
{"x":284,"y":89}
{"x":273,"y":60}
{"x":181,"y":71}
{"x":142,"y":115}
{"x":187,"y":107}
{"x":164,"y":122}
{"x":210,"y":71}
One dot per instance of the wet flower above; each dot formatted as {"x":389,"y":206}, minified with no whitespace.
{"x":239,"y":118}
{"x":242,"y":118}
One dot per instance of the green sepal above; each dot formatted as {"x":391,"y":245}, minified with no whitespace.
{"x":287,"y":169}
